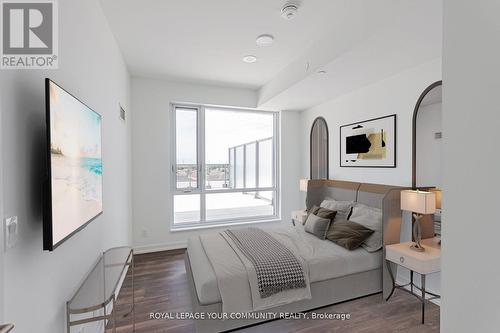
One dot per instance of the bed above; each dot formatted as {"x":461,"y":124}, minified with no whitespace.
{"x":334,"y":273}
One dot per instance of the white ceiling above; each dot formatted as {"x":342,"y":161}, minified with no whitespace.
{"x":357,"y":41}
{"x":401,"y":35}
{"x":204,"y":40}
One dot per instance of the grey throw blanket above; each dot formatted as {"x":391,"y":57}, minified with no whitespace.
{"x":276,"y":266}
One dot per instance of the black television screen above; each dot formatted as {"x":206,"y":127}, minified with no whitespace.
{"x":73,"y":192}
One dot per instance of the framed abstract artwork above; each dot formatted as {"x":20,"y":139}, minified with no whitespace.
{"x":369,"y":144}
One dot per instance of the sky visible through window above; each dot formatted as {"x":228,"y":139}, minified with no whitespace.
{"x":223,"y":129}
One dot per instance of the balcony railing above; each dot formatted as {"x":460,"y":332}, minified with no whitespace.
{"x":250,"y":166}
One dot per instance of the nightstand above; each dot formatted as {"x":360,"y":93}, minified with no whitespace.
{"x":299,"y":216}
{"x":423,"y":263}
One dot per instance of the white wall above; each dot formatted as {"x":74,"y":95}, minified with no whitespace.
{"x":38,"y":283}
{"x":471,"y":77}
{"x":429,"y":149}
{"x":151,"y":162}
{"x":395,"y":95}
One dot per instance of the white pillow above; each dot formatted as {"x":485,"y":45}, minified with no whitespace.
{"x":371,"y":218}
{"x":343,"y":208}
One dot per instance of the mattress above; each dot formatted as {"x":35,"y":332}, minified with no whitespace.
{"x":325,"y":259}
{"x":203,"y":273}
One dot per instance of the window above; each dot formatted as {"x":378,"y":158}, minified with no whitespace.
{"x":225,"y":167}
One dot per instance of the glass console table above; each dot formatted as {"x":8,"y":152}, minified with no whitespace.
{"x":98,"y":290}
{"x":6,"y":328}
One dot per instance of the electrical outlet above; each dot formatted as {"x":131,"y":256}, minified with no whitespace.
{"x":11,"y":231}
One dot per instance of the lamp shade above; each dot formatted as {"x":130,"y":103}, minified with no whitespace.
{"x":438,"y":197}
{"x":303,"y":185}
{"x":420,"y":202}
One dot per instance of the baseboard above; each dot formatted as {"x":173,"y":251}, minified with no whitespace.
{"x":140,"y":249}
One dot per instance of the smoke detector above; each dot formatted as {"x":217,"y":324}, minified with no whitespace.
{"x":289,"y":11}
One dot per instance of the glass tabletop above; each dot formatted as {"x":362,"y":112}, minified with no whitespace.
{"x":100,"y":284}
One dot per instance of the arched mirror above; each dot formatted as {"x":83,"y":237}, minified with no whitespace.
{"x":427,"y":151}
{"x":319,"y":164}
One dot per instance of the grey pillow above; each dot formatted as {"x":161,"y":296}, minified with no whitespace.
{"x":318,"y":226}
{"x":343,"y":208}
{"x":322,"y":212}
{"x":370,"y":218}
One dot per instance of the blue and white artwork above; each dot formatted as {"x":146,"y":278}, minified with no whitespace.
{"x":75,"y":151}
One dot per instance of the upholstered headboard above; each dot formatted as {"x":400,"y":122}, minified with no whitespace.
{"x":385,"y":197}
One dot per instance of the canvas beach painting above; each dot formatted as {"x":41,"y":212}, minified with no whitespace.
{"x":75,"y":161}
{"x":369,"y":143}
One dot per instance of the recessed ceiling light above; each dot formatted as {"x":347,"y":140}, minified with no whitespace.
{"x":289,"y":11}
{"x":264,"y":40}
{"x":249,"y":59}
{"x":322,"y":72}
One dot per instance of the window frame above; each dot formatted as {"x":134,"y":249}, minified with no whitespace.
{"x":201,"y":171}
{"x":174,"y":148}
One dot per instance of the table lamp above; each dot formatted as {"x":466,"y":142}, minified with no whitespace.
{"x":303,"y":187}
{"x":419,"y":203}
{"x":439,"y":194}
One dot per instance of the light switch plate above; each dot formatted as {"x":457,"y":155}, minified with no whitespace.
{"x":11,"y":231}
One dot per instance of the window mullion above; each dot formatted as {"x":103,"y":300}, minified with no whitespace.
{"x":276,"y":164}
{"x":173,"y":161}
{"x":201,"y":163}
{"x":244,"y":166}
{"x":257,"y":183}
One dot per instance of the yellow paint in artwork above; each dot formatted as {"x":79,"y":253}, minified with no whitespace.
{"x":376,"y":152}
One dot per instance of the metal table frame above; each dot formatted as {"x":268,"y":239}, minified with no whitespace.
{"x":412,"y":286}
{"x":112,"y":299}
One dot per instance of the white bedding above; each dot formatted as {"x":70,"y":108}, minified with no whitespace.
{"x":328,"y":260}
{"x":325,"y":260}
{"x":237,"y":278}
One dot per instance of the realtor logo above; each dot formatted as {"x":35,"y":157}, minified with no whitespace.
{"x":29,"y":34}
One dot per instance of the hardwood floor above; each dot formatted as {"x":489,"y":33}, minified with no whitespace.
{"x":161,"y":286}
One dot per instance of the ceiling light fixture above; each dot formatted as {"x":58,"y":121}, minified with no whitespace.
{"x":322,"y":72}
{"x":289,"y":11}
{"x":264,"y":40}
{"x":249,"y":59}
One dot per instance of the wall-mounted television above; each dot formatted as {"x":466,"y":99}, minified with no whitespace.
{"x":73,"y":191}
